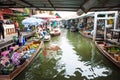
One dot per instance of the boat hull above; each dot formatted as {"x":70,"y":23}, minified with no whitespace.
{"x":106,"y":54}
{"x":20,"y":68}
{"x":90,"y":37}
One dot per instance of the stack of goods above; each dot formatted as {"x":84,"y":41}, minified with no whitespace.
{"x":15,"y":57}
{"x":14,"y":48}
{"x":114,"y":51}
{"x":6,"y":65}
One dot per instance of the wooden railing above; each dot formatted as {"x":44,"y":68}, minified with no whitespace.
{"x":9,"y":29}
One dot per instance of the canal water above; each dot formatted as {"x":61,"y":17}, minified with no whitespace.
{"x":77,"y":59}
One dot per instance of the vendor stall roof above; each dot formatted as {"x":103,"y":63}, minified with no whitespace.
{"x":63,"y":5}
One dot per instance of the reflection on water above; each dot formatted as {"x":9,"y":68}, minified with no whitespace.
{"x":78,"y":59}
{"x":75,"y":63}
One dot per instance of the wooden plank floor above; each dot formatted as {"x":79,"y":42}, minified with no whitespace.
{"x":114,"y":41}
{"x":9,"y":39}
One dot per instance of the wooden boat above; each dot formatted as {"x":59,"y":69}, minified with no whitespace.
{"x":87,"y":35}
{"x":21,"y":67}
{"x":72,"y":29}
{"x":114,"y":41}
{"x":55,"y":32}
{"x":10,"y":41}
{"x":47,"y":37}
{"x":111,"y":56}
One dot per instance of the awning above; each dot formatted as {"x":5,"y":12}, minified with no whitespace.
{"x":63,"y":5}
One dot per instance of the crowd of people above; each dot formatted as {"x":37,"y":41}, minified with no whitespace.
{"x":42,"y":31}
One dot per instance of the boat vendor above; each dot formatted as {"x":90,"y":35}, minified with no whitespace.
{"x":21,"y":39}
{"x":79,"y":25}
{"x":40,"y":31}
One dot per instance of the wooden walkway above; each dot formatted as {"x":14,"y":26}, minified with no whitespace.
{"x":9,"y":39}
{"x":114,"y":41}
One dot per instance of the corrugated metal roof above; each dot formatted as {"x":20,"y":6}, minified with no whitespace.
{"x":63,"y":5}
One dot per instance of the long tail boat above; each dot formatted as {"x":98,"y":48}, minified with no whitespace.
{"x":47,"y":37}
{"x":87,"y":35}
{"x":21,"y":67}
{"x":112,"y":55}
{"x":55,"y":32}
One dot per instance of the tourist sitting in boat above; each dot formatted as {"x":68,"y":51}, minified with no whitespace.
{"x":41,"y":35}
{"x":44,"y":32}
{"x":48,"y":30}
{"x":40,"y":32}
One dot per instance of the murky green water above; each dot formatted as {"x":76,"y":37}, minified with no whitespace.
{"x":78,"y":59}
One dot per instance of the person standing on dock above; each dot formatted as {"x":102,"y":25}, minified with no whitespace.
{"x":2,"y":30}
{"x":17,"y":28}
{"x":21,"y":39}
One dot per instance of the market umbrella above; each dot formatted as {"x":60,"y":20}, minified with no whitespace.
{"x":30,"y":21}
{"x":40,"y":21}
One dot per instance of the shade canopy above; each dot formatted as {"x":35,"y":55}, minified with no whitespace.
{"x":32,"y":21}
{"x":56,"y":19}
{"x":63,"y":5}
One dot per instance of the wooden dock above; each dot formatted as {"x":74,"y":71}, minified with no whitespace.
{"x":114,"y":41}
{"x":9,"y":39}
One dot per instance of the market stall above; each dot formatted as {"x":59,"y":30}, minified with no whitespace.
{"x":107,"y":17}
{"x":7,"y":15}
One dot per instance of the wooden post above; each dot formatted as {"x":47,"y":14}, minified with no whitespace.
{"x":105,"y":30}
{"x":95,"y":27}
{"x":115,"y":19}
